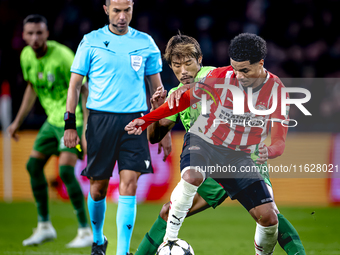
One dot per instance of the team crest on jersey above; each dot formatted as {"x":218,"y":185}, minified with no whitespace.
{"x":50,"y":77}
{"x":136,"y":62}
{"x":260,"y":107}
{"x":40,"y":75}
{"x":194,"y":106}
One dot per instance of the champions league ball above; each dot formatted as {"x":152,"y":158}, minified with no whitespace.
{"x":178,"y":247}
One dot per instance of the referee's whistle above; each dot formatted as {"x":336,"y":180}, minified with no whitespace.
{"x":78,"y":147}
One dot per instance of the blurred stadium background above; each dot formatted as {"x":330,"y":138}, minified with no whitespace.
{"x":303,"y":46}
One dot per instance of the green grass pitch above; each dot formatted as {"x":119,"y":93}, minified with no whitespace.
{"x":225,"y":230}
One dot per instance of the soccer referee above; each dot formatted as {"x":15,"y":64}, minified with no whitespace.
{"x":116,"y":58}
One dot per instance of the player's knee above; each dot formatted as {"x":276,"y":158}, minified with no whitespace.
{"x":98,"y":194}
{"x":268,"y":219}
{"x":193,"y":177}
{"x":35,"y":166}
{"x":66,"y":173}
{"x":165,"y":211}
{"x":98,"y":189}
{"x":128,"y":188}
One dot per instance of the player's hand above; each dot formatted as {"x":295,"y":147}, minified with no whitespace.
{"x":133,"y":128}
{"x":166,"y":145}
{"x":158,"y":98}
{"x":263,"y":154}
{"x":71,"y":138}
{"x":174,"y":97}
{"x":12,"y":131}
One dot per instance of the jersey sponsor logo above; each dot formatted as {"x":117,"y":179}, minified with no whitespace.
{"x":248,"y":119}
{"x":136,"y":62}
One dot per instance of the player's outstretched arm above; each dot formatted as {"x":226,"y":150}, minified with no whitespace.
{"x":71,"y":138}
{"x":163,"y":111}
{"x":25,"y":107}
{"x":159,"y":129}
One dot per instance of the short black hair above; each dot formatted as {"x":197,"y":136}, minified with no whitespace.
{"x":107,"y":2}
{"x":35,"y":18}
{"x":247,"y":46}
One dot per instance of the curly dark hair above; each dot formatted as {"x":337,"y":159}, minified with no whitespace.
{"x":246,"y":47}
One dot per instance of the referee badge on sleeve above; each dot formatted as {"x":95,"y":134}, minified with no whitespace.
{"x":136,"y":62}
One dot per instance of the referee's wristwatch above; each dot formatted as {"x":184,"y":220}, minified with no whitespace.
{"x":70,"y":120}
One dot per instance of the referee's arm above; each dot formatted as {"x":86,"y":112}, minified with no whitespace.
{"x":71,"y":138}
{"x":154,"y":82}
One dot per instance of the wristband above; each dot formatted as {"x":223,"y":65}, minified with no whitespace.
{"x":70,"y":121}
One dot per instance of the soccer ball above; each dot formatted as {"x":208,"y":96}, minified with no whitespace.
{"x":178,"y":247}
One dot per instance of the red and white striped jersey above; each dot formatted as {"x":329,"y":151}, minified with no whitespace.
{"x":238,"y":132}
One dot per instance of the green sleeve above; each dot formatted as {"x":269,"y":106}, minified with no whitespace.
{"x":23,"y":63}
{"x":67,"y":63}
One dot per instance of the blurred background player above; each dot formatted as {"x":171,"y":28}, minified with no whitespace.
{"x":46,"y":68}
{"x":116,"y":58}
{"x":184,"y":56}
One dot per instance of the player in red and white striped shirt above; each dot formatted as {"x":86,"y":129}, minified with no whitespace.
{"x":224,"y":138}
{"x":239,"y":132}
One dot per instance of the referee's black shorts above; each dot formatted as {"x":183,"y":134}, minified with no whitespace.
{"x":107,"y":142}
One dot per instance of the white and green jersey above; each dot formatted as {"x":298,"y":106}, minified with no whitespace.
{"x":190,"y":115}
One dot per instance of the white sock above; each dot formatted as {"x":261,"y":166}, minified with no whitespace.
{"x":265,"y":239}
{"x":180,"y":203}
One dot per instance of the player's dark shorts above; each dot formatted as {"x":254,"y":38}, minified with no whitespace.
{"x":108,"y":142}
{"x":227,"y":170}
